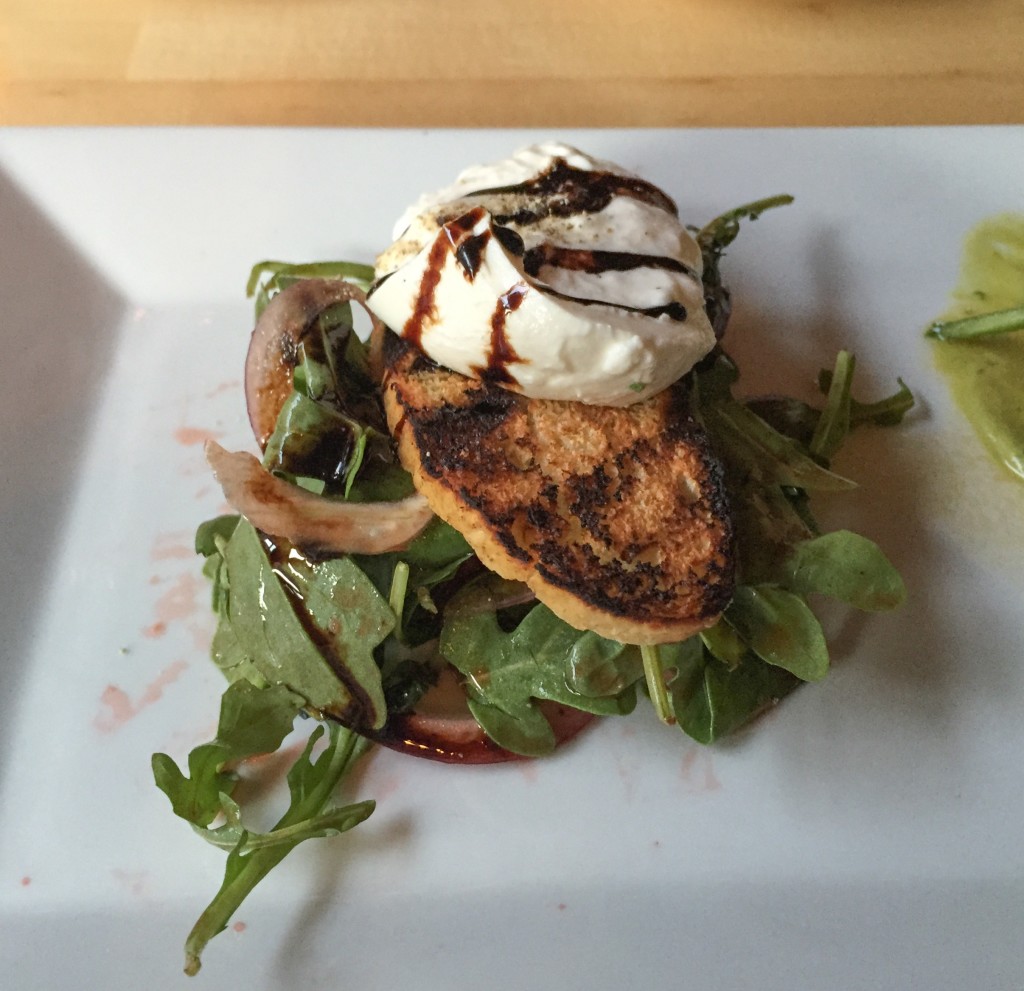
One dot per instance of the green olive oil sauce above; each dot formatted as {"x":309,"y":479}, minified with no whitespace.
{"x":986,"y":374}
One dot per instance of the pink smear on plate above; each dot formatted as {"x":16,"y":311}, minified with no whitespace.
{"x":26,"y":881}
{"x":386,"y":786}
{"x":528,"y":770}
{"x":233,"y":386}
{"x":180,"y":601}
{"x":135,"y":882}
{"x":239,"y":927}
{"x":173,"y":545}
{"x":698,"y":771}
{"x":202,"y":633}
{"x":190,"y":436}
{"x":117,"y":707}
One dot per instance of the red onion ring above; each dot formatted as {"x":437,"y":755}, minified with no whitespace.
{"x":269,"y":364}
{"x":310,"y":521}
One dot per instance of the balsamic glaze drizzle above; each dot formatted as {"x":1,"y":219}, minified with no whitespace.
{"x":453,"y":238}
{"x":562,"y":190}
{"x":594,"y":262}
{"x":501,"y":354}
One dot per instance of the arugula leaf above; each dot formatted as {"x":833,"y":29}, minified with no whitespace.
{"x":255,"y":721}
{"x":332,"y":423}
{"x":230,"y":656}
{"x":778,"y":459}
{"x":314,"y":440}
{"x":799,"y":420}
{"x":780,"y":628}
{"x":437,"y":547}
{"x":280,"y":275}
{"x":350,"y":620}
{"x":710,"y":700}
{"x":542,"y":658}
{"x":252,"y":721}
{"x":834,"y":423}
{"x":310,"y":815}
{"x":713,"y":238}
{"x":211,"y":539}
{"x":724,"y":644}
{"x":886,"y":412}
{"x":716,"y":235}
{"x":433,"y":557}
{"x":845,"y":566}
{"x":339,"y":602}
{"x":208,"y":532}
{"x":524,"y":731}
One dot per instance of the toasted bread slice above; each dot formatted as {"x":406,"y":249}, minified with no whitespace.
{"x":615,"y":517}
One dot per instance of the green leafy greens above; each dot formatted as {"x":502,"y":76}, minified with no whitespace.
{"x":353,"y":640}
{"x":543,"y":658}
{"x":255,"y":721}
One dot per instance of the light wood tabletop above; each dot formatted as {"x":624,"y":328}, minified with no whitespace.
{"x":497,"y":62}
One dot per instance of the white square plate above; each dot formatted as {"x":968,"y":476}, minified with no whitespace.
{"x":867,"y":834}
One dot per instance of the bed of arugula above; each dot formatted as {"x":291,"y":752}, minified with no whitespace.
{"x":344,"y":638}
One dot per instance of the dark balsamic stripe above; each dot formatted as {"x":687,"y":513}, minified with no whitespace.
{"x":452,"y":236}
{"x":674,"y":310}
{"x":510,"y":240}
{"x":501,"y":353}
{"x":596,"y":262}
{"x":470,"y":253}
{"x":562,"y":190}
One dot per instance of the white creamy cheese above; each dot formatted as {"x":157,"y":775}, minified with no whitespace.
{"x":552,"y":274}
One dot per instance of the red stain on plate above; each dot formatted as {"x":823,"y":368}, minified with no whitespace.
{"x":202,"y":633}
{"x":191,"y":436}
{"x":387,"y":786}
{"x":156,"y":630}
{"x":134,"y":882}
{"x":180,"y":600}
{"x":117,"y":708}
{"x":627,"y":768}
{"x":528,"y":770}
{"x":239,"y":927}
{"x":26,"y":881}
{"x":698,"y":771}
{"x":233,"y":386}
{"x":170,"y":546}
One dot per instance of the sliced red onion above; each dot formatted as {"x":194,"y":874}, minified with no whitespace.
{"x":270,"y":361}
{"x":310,"y":521}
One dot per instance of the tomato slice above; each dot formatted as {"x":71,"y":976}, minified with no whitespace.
{"x":443,"y":729}
{"x":458,"y":739}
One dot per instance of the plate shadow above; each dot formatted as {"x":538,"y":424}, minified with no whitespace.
{"x":59,"y":323}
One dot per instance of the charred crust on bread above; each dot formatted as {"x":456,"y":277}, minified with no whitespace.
{"x":617,"y":518}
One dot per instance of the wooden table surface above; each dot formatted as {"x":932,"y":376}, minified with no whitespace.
{"x":497,"y":62}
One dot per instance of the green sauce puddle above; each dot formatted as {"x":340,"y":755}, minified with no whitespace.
{"x":986,"y":375}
